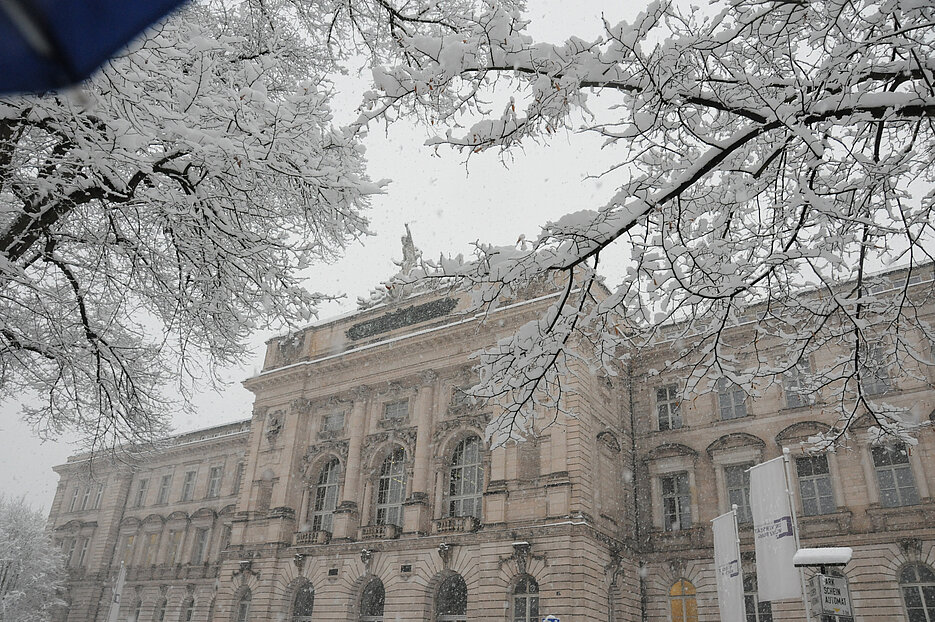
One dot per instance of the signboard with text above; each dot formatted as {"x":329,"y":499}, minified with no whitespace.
{"x":829,"y":595}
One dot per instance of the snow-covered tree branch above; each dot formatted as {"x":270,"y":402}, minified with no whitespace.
{"x":162,"y":210}
{"x":773,"y":157}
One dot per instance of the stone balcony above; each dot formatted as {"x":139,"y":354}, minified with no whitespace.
{"x":455,"y":524}
{"x":305,"y":538}
{"x":378,"y":532}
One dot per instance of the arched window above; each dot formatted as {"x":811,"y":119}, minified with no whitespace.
{"x":451,"y":601}
{"x":326,"y":496}
{"x":526,"y":600}
{"x":757,"y":610}
{"x":304,"y":602}
{"x":466,"y":479}
{"x":682,"y":604}
{"x":371,"y":601}
{"x":159,"y":615}
{"x":391,"y":489}
{"x":243,"y":607}
{"x":917,"y":583}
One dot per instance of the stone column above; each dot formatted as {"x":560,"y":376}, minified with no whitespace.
{"x":347,"y":516}
{"x":424,"y":411}
{"x":416,"y":509}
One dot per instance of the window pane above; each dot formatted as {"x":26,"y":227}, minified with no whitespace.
{"x":452,"y":597}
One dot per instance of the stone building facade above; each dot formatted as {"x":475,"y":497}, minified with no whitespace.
{"x":362,"y":489}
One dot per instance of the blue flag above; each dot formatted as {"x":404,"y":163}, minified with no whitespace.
{"x":50,"y":44}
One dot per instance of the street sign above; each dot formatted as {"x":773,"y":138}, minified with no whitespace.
{"x":830,"y":595}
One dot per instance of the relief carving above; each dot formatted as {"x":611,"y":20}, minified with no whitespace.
{"x":443,"y":428}
{"x":331,"y":446}
{"x":301,"y":405}
{"x":404,"y":436}
{"x":274,"y":422}
{"x":290,"y":347}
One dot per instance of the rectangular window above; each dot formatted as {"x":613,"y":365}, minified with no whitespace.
{"x":83,"y":551}
{"x":128,"y":550}
{"x":894,"y":475}
{"x":668,"y":407}
{"x":68,"y":545}
{"x":737,"y":478}
{"x":164,"y":484}
{"x":86,"y":497}
{"x":98,"y":496}
{"x":238,"y":479}
{"x":731,"y":400}
{"x":815,"y":485}
{"x":333,"y":422}
{"x":150,"y":548}
{"x":140,"y":493}
{"x":676,"y":502}
{"x":794,"y":385}
{"x":174,"y":546}
{"x":214,"y":482}
{"x":200,"y":549}
{"x":874,"y":374}
{"x":74,"y":499}
{"x":396,"y":410}
{"x":188,"y":486}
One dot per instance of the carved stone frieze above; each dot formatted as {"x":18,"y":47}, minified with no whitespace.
{"x":291,"y":347}
{"x":443,"y":428}
{"x":274,"y":422}
{"x":404,"y":436}
{"x":334,"y":402}
{"x":339,"y":447}
{"x":609,"y":439}
{"x":301,"y":405}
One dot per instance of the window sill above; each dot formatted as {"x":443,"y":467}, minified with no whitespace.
{"x":393,"y":423}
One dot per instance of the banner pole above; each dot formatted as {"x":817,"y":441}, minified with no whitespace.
{"x":787,"y":463}
{"x":733,"y":509}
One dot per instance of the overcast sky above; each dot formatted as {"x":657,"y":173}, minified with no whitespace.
{"x":448,"y":205}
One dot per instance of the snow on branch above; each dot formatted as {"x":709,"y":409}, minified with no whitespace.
{"x":778,"y":156}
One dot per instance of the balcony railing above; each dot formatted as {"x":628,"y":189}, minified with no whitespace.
{"x":378,"y":532}
{"x":312,"y":537}
{"x":455,"y":524}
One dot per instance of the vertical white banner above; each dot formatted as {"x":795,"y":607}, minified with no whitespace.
{"x":774,"y":532}
{"x":727,"y":568}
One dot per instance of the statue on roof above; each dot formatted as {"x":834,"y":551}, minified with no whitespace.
{"x":411,"y":255}
{"x":391,"y":291}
